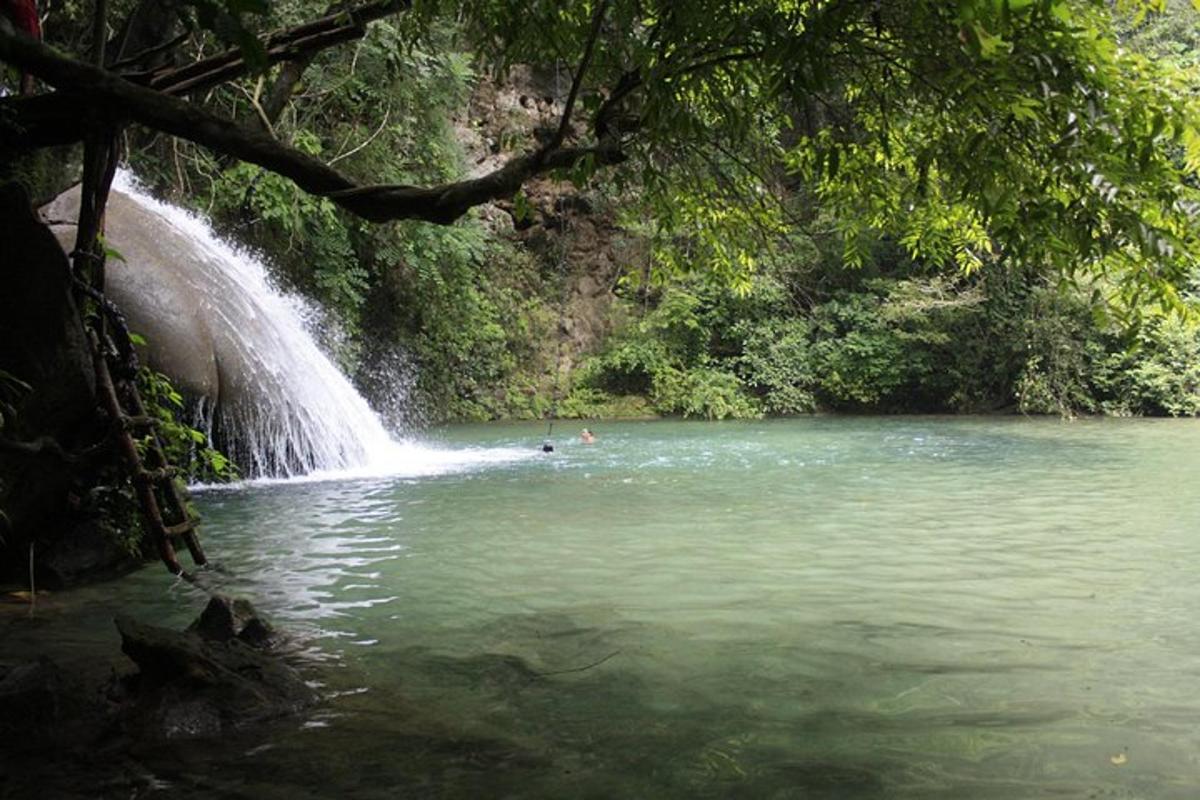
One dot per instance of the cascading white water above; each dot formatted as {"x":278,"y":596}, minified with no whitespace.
{"x":284,"y":408}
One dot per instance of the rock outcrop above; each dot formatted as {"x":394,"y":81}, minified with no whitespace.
{"x":154,"y":283}
{"x":44,"y":346}
{"x":565,"y":226}
{"x":214,"y":677}
{"x":221,"y":674}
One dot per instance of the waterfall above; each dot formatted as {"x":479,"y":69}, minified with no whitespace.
{"x":282,"y":408}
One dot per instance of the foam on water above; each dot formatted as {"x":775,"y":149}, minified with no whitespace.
{"x":297,"y":416}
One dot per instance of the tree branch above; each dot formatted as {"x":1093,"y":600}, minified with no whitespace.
{"x":288,"y":45}
{"x":443,"y":204}
{"x":150,"y":52}
{"x":627,"y":84}
{"x":577,"y":80}
{"x":49,"y":446}
{"x":282,"y":88}
{"x":47,"y":120}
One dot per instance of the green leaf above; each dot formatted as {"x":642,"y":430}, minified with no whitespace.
{"x":522,"y":211}
{"x":109,"y":252}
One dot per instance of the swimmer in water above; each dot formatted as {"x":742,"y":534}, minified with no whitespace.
{"x":587,"y":437}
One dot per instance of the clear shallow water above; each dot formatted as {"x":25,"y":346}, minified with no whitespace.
{"x":828,"y":607}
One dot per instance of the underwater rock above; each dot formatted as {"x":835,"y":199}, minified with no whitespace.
{"x":42,"y":705}
{"x":189,"y":685}
{"x":489,"y":669}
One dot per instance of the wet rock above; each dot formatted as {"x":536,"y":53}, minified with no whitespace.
{"x":154,"y":285}
{"x":87,"y":552}
{"x":256,"y":632}
{"x":226,"y":618}
{"x":190,"y":719}
{"x":44,"y":346}
{"x":188,"y":685}
{"x":574,"y":202}
{"x":41,"y":705}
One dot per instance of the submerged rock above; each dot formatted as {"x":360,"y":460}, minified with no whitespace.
{"x":208,"y":679}
{"x":42,"y":705}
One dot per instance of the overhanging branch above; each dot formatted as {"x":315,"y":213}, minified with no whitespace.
{"x":112,"y":94}
{"x":48,"y":120}
{"x":284,"y":45}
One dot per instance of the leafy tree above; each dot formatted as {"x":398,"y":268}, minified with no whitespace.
{"x":971,"y":131}
{"x":960,"y":136}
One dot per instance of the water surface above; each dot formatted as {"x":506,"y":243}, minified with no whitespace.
{"x":825,"y":607}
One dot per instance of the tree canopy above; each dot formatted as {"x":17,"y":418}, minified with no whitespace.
{"x":971,"y":131}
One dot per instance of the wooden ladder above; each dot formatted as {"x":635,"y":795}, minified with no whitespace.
{"x":150,"y":474}
{"x":156,"y":477}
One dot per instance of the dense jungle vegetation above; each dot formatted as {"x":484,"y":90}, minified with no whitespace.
{"x":809,"y":299}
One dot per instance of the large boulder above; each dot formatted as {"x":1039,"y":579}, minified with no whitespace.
{"x":228,"y":618}
{"x":209,"y":679}
{"x":155,"y":283}
{"x":228,"y":339}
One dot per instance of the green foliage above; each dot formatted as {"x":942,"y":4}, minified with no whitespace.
{"x":801,"y":175}
{"x":185,"y":447}
{"x":382,"y":116}
{"x":776,"y":363}
{"x":295,"y":223}
{"x":967,"y":132}
{"x":1122,"y":143}
{"x":114,"y":506}
{"x":702,"y":392}
{"x":588,"y":403}
{"x":862,"y":360}
{"x":1062,"y":348}
{"x":474,"y":315}
{"x":665,"y":358}
{"x":1172,"y":34}
{"x":462,"y":304}
{"x":904,"y":343}
{"x":1159,"y":374}
{"x":230,"y":21}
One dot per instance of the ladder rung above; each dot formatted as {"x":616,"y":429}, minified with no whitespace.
{"x":156,"y":475}
{"x":134,"y":422}
{"x":180,"y":529}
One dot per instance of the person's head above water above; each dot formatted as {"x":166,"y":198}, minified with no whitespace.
{"x":587,"y":436}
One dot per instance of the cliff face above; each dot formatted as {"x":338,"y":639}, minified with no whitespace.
{"x":572,"y":231}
